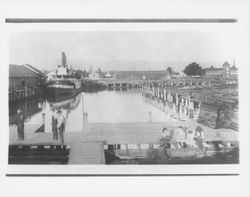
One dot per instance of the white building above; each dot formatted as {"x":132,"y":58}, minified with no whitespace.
{"x":108,"y":75}
{"x":94,"y":76}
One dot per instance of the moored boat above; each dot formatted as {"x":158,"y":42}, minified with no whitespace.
{"x":62,"y":82}
{"x":67,"y":103}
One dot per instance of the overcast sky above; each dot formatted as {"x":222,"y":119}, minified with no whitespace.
{"x":41,"y":49}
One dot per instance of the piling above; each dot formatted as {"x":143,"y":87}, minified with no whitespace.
{"x":85,"y":117}
{"x":43,"y":118}
{"x":150,"y":116}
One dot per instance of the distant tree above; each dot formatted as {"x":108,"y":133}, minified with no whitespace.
{"x":99,"y":71}
{"x":80,"y":73}
{"x":90,"y":69}
{"x":85,"y":73}
{"x":193,"y":69}
{"x":77,"y":74}
{"x":170,"y":70}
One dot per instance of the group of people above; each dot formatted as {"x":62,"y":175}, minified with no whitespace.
{"x":58,"y":124}
{"x":182,"y":138}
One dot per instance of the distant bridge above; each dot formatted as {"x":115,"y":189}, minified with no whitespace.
{"x":113,"y":84}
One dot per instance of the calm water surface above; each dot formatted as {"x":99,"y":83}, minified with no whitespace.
{"x":101,"y":107}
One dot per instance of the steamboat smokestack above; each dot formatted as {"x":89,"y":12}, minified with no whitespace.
{"x":64,"y":60}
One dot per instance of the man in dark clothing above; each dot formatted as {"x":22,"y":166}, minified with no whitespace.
{"x":20,"y":124}
{"x":54,"y":126}
{"x":61,"y":125}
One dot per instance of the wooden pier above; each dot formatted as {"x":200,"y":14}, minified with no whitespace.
{"x":87,"y":146}
{"x":25,"y":92}
{"x":87,"y":153}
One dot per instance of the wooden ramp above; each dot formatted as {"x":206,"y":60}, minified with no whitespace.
{"x":87,"y":153}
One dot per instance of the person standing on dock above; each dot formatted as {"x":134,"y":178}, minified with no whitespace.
{"x":54,"y":124}
{"x":61,"y":125}
{"x":20,"y":124}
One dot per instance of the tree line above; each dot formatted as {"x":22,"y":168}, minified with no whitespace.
{"x":193,"y":69}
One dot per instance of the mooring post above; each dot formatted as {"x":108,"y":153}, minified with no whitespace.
{"x":191,"y":108}
{"x":85,"y":117}
{"x":176,"y":99}
{"x":43,"y":118}
{"x":126,"y":145}
{"x":43,"y":122}
{"x":164,"y":94}
{"x":150,"y":116}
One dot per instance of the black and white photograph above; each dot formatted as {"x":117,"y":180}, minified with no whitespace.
{"x":124,"y":98}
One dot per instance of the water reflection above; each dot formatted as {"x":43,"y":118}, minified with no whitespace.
{"x":66,"y":103}
{"x":29,"y":107}
{"x":113,"y":107}
{"x":99,"y":107}
{"x":66,"y":107}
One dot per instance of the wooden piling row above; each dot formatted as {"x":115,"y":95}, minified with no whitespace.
{"x":26,"y":92}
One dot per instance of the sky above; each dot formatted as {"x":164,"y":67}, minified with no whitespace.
{"x":43,"y":49}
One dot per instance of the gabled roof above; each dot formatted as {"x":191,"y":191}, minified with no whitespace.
{"x":226,"y":64}
{"x":23,"y":71}
{"x":34,"y":69}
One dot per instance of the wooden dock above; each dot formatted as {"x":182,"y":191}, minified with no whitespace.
{"x":87,"y":153}
{"x":87,"y":145}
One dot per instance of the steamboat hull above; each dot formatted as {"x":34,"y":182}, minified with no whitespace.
{"x":56,"y":93}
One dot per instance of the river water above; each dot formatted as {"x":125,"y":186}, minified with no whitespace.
{"x":101,"y":107}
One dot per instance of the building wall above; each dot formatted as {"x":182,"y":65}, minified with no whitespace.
{"x":19,"y":82}
{"x":225,"y":71}
{"x":214,"y":72}
{"x":20,"y":76}
{"x":234,"y":72}
{"x":25,"y":82}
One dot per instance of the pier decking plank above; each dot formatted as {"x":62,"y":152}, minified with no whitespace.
{"x":123,"y":133}
{"x":87,"y":146}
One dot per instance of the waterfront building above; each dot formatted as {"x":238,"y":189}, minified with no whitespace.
{"x":225,"y":71}
{"x":25,"y":75}
{"x":142,"y":75}
{"x":178,"y":74}
{"x":233,"y":71}
{"x":94,"y":75}
{"x":25,"y":81}
{"x":108,"y":75}
{"x":213,"y":72}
